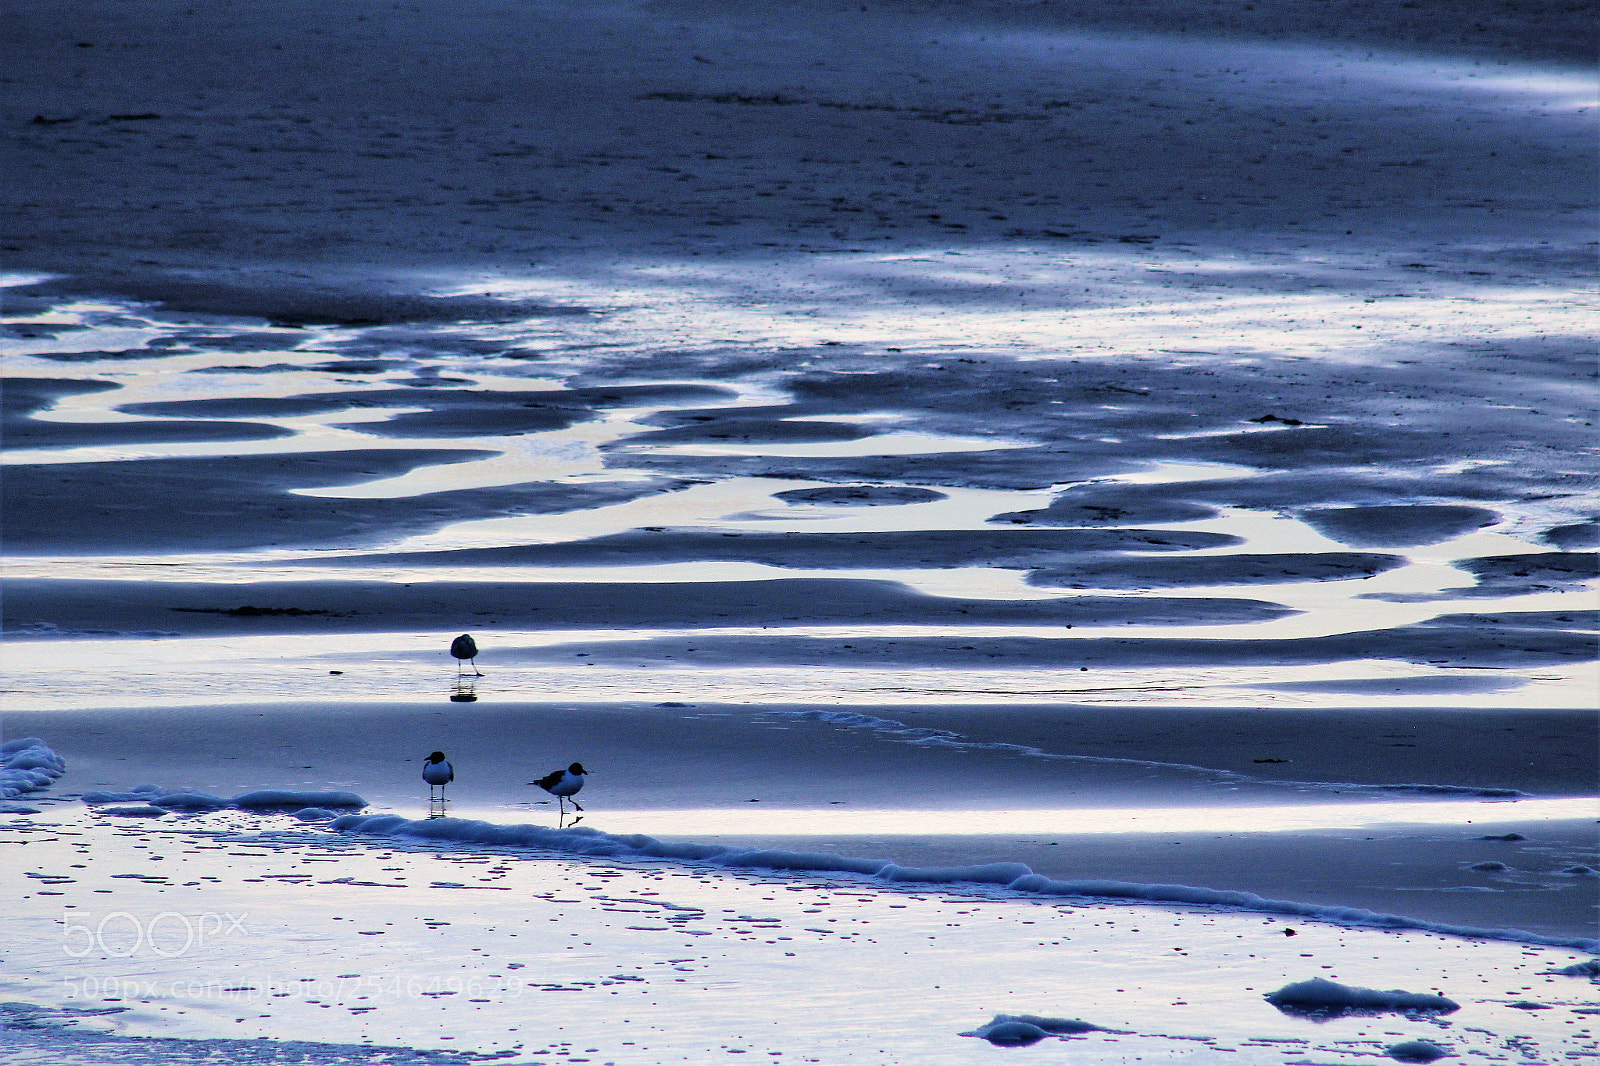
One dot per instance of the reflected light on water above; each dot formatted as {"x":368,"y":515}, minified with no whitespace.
{"x":1092,"y":821}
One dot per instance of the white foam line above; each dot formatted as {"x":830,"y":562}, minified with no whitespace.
{"x":893,"y":730}
{"x":1010,"y":876}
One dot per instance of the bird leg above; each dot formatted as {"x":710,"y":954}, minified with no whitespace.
{"x":476,"y":672}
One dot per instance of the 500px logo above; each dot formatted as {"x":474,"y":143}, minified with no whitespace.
{"x":168,"y":934}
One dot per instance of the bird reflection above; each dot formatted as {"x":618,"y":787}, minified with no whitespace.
{"x":464,"y":690}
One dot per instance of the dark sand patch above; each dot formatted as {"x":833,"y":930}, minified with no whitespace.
{"x":29,"y":331}
{"x":1577,"y":535}
{"x":235,"y":502}
{"x":943,"y":548}
{"x":102,"y":356}
{"x":32,"y":435}
{"x":860,"y":495}
{"x":16,"y":305}
{"x":419,"y":342}
{"x":1299,"y":446}
{"x":1147,"y":572}
{"x":21,"y":398}
{"x":452,"y":412}
{"x":258,"y":341}
{"x":1502,"y":575}
{"x":745,"y":428}
{"x":1509,"y":648}
{"x":256,"y":369}
{"x":483,"y":419}
{"x":1577,"y":620}
{"x":257,"y":406}
{"x":50,"y":607}
{"x":1112,"y":505}
{"x":462,"y":412}
{"x":1011,"y":468}
{"x":360,"y":366}
{"x":1313,"y":486}
{"x":1399,"y":525}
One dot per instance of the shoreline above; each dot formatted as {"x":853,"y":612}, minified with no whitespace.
{"x":933,"y":787}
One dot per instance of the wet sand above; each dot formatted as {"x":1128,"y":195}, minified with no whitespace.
{"x":1149,"y":447}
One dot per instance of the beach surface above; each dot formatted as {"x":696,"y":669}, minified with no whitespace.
{"x":1047,"y":524}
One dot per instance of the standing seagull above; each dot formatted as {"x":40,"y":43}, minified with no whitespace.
{"x":464,"y":647}
{"x":437,"y":771}
{"x":563,"y":783}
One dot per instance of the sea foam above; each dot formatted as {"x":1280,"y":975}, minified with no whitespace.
{"x":27,"y":765}
{"x":1021,"y":1030}
{"x":1321,"y":994}
{"x":263,"y":800}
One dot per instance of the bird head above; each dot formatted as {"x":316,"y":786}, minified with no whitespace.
{"x":437,"y":756}
{"x":577,"y":768}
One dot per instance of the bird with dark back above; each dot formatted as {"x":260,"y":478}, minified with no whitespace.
{"x":563,"y":783}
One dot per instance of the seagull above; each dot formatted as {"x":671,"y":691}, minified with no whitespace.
{"x":563,"y":783}
{"x":464,"y":647}
{"x":437,"y":771}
